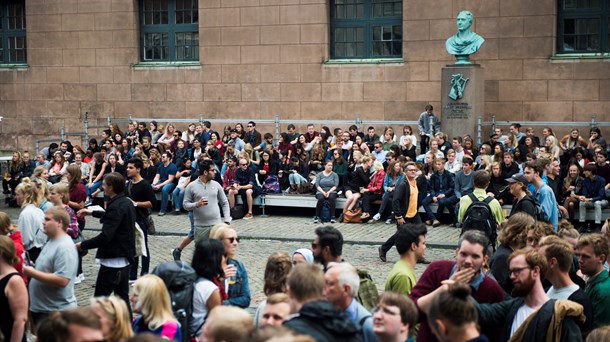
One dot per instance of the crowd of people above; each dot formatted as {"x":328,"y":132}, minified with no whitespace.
{"x":546,"y":274}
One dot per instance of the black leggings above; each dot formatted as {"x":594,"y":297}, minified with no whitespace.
{"x":332,"y":200}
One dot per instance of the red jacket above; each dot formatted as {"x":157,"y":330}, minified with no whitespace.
{"x":376,"y":184}
{"x":18,"y":241}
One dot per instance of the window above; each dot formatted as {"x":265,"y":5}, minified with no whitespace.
{"x":169,"y":30}
{"x":366,"y":29}
{"x":12,"y":32}
{"x":583,"y":26}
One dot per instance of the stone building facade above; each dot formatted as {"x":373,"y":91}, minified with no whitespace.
{"x":258,"y":58}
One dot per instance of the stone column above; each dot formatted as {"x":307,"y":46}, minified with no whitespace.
{"x":462,"y":99}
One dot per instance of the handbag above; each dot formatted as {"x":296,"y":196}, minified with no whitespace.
{"x":352,"y":216}
{"x":140,"y":242}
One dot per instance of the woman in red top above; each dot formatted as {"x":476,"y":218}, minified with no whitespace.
{"x":78,"y":195}
{"x":374,"y":191}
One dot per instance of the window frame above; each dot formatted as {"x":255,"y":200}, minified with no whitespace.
{"x":171,"y":29}
{"x":602,"y":14}
{"x":6,"y":34}
{"x":366,"y":23}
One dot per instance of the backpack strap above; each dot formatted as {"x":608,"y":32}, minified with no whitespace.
{"x":488,"y":200}
{"x":473,"y":197}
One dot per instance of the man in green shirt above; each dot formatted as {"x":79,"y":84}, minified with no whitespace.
{"x":592,"y":250}
{"x":411,"y":245}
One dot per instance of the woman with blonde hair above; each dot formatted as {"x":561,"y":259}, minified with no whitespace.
{"x":552,"y":146}
{"x":30,"y":219}
{"x":512,"y":238}
{"x":236,"y":275}
{"x":150,"y":298}
{"x":114,"y":318}
{"x":359,"y":180}
{"x":167,"y":139}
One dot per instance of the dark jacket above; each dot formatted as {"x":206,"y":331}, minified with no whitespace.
{"x":359,"y":179}
{"x":502,"y":315}
{"x":447,"y":187}
{"x":324,"y":323}
{"x":509,"y":171}
{"x":118,"y":235}
{"x":255,"y":140}
{"x":400,"y":200}
{"x":527,"y":205}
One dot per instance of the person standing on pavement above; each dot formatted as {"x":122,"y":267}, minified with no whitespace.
{"x":204,"y":197}
{"x":143,"y":197}
{"x":411,"y":245}
{"x":533,"y":172}
{"x":116,"y":242}
{"x":51,"y":285}
{"x":327,"y":246}
{"x":404,"y":205}
{"x":164,"y":180}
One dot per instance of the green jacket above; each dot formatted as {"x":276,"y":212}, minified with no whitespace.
{"x":598,"y":291}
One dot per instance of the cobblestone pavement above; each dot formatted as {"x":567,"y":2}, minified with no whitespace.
{"x":262,"y":236}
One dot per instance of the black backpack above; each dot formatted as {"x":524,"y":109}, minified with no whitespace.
{"x":539,"y":214}
{"x":479,"y":217}
{"x":179,"y":278}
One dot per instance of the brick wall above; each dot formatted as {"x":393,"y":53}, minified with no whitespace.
{"x":262,"y":57}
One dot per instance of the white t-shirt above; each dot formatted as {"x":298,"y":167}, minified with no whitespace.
{"x":562,"y":293}
{"x":522,"y":314}
{"x":203,"y":290}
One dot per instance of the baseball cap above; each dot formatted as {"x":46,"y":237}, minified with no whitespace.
{"x":518,"y":177}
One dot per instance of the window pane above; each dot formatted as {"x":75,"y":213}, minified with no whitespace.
{"x":581,"y":4}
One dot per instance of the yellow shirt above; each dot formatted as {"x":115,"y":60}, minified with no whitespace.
{"x":412,"y":208}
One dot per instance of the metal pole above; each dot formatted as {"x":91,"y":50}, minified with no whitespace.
{"x":108,"y":119}
{"x":201,"y":119}
{"x":493,"y":122}
{"x":129,"y":115}
{"x":277,"y":127}
{"x":86,"y":129}
{"x":37,"y":147}
{"x":479,"y":119}
{"x":62,"y":133}
{"x":593,"y":123}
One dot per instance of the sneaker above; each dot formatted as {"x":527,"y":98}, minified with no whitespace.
{"x":377,"y":217}
{"x":389,"y":221}
{"x":79,"y":279}
{"x":177,"y":212}
{"x":248,"y":216}
{"x":333,"y":220}
{"x":161,"y":213}
{"x":428,"y":222}
{"x":436,"y":223}
{"x":176,"y":253}
{"x":87,"y":203}
{"x":365,"y":216}
{"x":316,"y":220}
{"x":132,"y":281}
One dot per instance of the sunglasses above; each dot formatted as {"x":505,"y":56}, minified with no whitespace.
{"x":233,"y":239}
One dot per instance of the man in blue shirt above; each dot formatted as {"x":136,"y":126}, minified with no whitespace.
{"x":441,"y":189}
{"x":593,"y":195}
{"x":164,"y":180}
{"x":544,"y":194}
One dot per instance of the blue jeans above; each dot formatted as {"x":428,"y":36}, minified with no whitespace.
{"x":165,"y":191}
{"x":178,"y":197}
{"x":93,"y":187}
{"x":441,"y":206}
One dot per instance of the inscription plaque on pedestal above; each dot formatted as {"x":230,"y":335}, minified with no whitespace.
{"x":462,"y":98}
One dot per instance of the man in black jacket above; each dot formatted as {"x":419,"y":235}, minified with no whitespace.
{"x":116,"y":242}
{"x":404,"y":206}
{"x":312,"y":315}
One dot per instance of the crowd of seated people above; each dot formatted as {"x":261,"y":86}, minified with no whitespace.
{"x":544,"y":251}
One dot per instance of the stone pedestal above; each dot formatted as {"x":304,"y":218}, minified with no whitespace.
{"x":459,"y":114}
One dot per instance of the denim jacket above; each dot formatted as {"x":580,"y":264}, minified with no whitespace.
{"x":239,"y":293}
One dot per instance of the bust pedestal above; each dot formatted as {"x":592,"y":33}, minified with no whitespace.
{"x":459,"y":116}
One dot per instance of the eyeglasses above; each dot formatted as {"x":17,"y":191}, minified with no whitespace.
{"x":233,"y":239}
{"x":517,"y":271}
{"x":411,"y":170}
{"x":250,"y":126}
{"x":243,"y":164}
{"x":377,"y":146}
